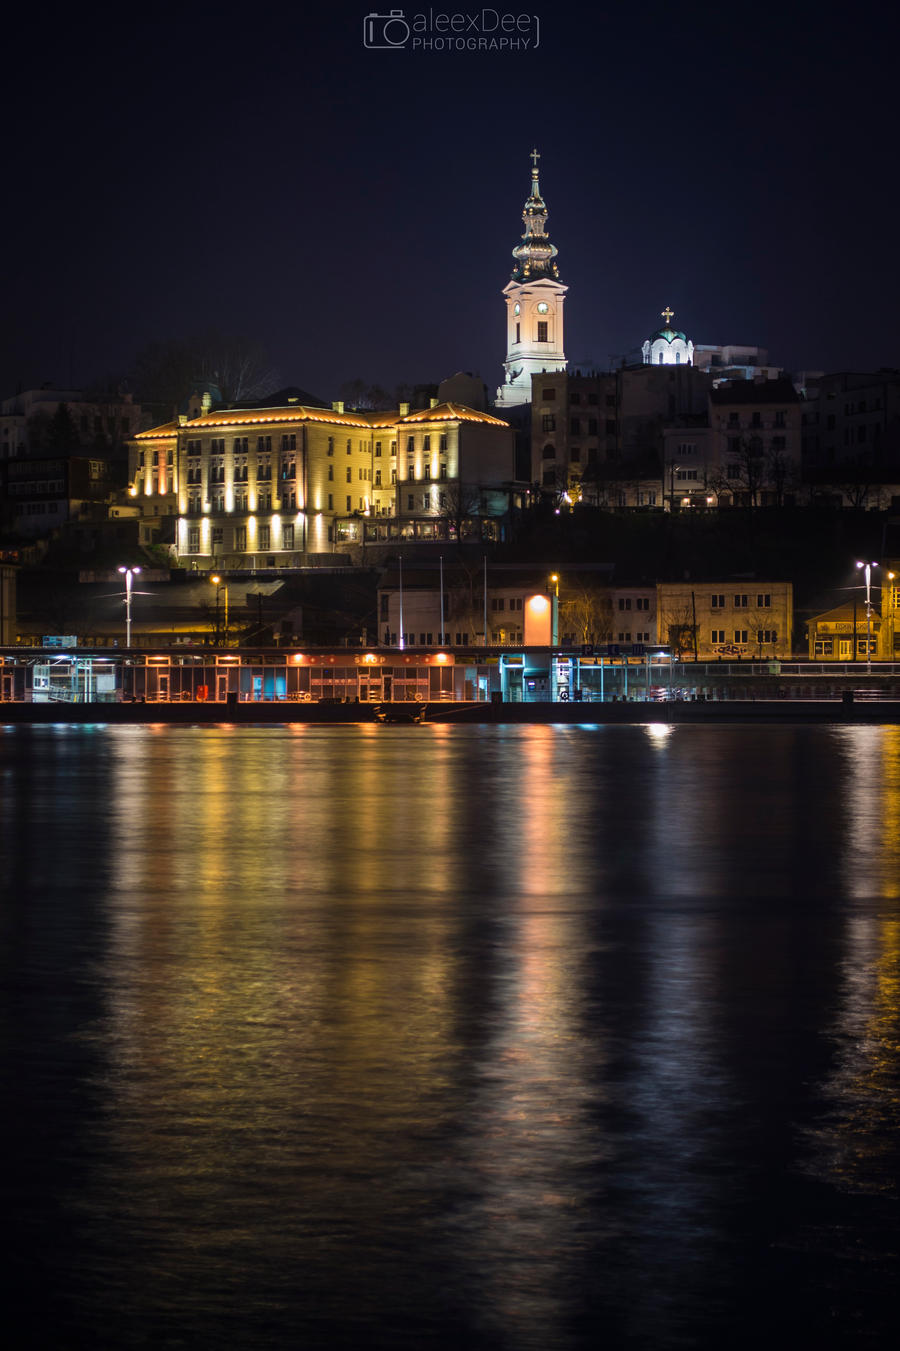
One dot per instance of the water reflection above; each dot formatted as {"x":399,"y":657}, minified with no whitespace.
{"x":426,"y":1036}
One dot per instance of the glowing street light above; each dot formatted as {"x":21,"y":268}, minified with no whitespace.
{"x":129,"y":574}
{"x":868,"y":574}
{"x":220,"y":586}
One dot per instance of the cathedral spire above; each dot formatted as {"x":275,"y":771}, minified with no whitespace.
{"x":534,"y":256}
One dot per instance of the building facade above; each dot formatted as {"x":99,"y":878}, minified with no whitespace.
{"x":735,"y":619}
{"x":534,"y":305}
{"x":268,"y":487}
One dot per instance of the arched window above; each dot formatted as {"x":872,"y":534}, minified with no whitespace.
{"x":660,"y":358}
{"x":549,"y":453}
{"x":677,"y":358}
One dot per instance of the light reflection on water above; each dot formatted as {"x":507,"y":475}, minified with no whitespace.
{"x":517,"y":1037}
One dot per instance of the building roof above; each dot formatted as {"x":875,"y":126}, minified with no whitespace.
{"x":668,"y":334}
{"x":247,"y":417}
{"x":752,"y":391}
{"x":451,"y":412}
{"x":167,"y":429}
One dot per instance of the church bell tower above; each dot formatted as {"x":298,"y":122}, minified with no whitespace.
{"x":534,"y":304}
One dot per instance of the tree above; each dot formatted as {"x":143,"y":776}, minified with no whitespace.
{"x":677,"y":623}
{"x":61,"y":432}
{"x":460,"y":503}
{"x":166,"y":372}
{"x":586,"y":613}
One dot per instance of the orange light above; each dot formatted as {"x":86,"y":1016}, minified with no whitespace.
{"x":538,"y":604}
{"x":298,"y":657}
{"x":440,"y":656}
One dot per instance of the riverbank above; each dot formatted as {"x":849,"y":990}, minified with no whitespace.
{"x":671,"y":712}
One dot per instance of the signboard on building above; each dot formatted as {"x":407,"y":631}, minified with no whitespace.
{"x":59,"y":640}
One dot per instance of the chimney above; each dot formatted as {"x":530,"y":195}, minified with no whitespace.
{"x":432,"y":403}
{"x":338,"y":406}
{"x":404,"y":409}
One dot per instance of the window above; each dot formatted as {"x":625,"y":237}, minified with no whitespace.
{"x":592,"y":426}
{"x":642,"y":603}
{"x":575,"y":455}
{"x":624,"y":637}
{"x":331,"y":501}
{"x":624,"y":602}
{"x":410,"y":445}
{"x":763,"y":600}
{"x":766,"y":636}
{"x":717,"y":636}
{"x":443,"y":443}
{"x":240,"y":538}
{"x":518,"y":333}
{"x":542,"y":330}
{"x":575,"y":425}
{"x":218,"y":536}
{"x":443,"y":471}
{"x":549,"y":395}
{"x":331,"y":473}
{"x":733,"y":471}
{"x":717,"y":601}
{"x":687,"y":475}
{"x":193,"y":539}
{"x":377,"y":478}
{"x":780,"y":420}
{"x":331,"y":445}
{"x":410,"y":503}
{"x":349,"y":445}
{"x":740,"y":635}
{"x":287,"y":537}
{"x":548,"y":422}
{"x":733,"y":420}
{"x":740,"y":602}
{"x":349,"y":473}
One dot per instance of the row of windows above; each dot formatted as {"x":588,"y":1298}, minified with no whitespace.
{"x":742,"y":600}
{"x":756,"y":419}
{"x":640,"y":602}
{"x":742,"y":636}
{"x":263,"y":538}
{"x":499,"y":602}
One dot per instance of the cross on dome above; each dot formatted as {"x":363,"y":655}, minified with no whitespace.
{"x":668,"y":314}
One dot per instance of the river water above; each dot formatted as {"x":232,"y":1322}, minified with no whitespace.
{"x":534,"y":1037}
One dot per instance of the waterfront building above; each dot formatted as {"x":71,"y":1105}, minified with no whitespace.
{"x":738,"y":619}
{"x":271,"y":487}
{"x":535,"y":297}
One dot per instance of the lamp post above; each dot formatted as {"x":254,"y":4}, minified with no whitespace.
{"x":868,"y":575}
{"x":129,"y":574}
{"x":554,"y":631}
{"x":220,"y":586}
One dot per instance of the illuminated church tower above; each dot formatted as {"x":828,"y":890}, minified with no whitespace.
{"x":534,"y":305}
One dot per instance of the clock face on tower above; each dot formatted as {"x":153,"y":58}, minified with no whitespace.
{"x":543,"y":307}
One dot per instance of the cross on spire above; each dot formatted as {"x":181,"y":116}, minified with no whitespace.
{"x":534,"y":157}
{"x":668,"y":314}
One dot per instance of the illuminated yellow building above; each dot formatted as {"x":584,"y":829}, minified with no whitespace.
{"x":266,"y":487}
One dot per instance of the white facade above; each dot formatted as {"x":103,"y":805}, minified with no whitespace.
{"x":667,"y":346}
{"x":534,"y":305}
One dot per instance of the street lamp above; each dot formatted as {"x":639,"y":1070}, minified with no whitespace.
{"x":868,"y":574}
{"x":129,"y":574}
{"x":220,"y":586}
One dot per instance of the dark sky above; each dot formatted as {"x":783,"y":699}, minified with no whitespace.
{"x":261,"y":172}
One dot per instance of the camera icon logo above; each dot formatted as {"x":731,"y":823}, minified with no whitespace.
{"x":385,"y":30}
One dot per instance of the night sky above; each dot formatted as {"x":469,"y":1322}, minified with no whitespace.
{"x":260,"y":172}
